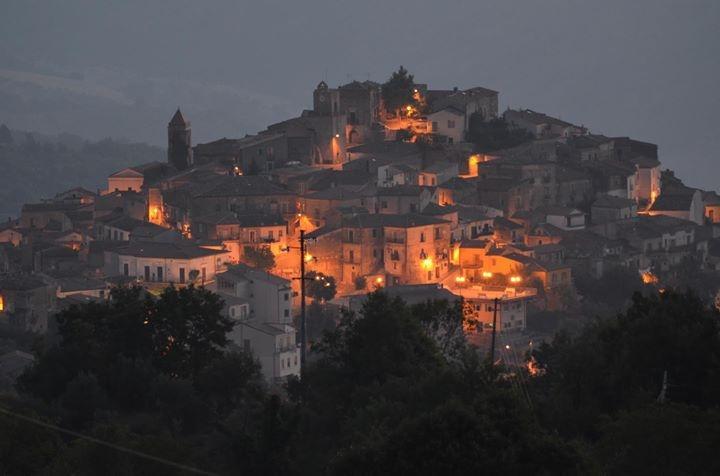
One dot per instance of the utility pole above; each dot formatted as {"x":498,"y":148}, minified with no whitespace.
{"x":663,"y":391}
{"x":494,"y":327}
{"x":303,"y":328}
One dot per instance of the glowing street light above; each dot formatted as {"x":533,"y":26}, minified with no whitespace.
{"x":427,"y":263}
{"x":487,"y":274}
{"x":460,"y":279}
{"x":308,"y":257}
{"x":515,"y":279}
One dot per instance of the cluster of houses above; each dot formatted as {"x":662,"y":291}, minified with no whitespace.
{"x":379,"y":208}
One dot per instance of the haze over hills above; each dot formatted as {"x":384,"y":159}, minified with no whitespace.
{"x":99,"y":102}
{"x":647,"y":69}
{"x":37,"y":166}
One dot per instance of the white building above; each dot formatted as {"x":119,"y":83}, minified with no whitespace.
{"x":512,"y":305}
{"x":269,"y":296}
{"x":274,"y":346}
{"x":448,"y":122}
{"x":565,"y":218}
{"x":166,"y":262}
{"x":261,"y":303}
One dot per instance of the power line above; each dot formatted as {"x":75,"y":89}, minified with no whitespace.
{"x":107,"y":444}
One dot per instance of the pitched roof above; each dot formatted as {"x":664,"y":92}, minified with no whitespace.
{"x":242,"y":271}
{"x":403,"y":190}
{"x":609,"y":201}
{"x":410,"y":220}
{"x":178,"y":119}
{"x":151,"y":249}
{"x":538,"y":117}
{"x":679,"y":202}
{"x":502,"y":222}
{"x":240,"y":186}
{"x":334,"y":193}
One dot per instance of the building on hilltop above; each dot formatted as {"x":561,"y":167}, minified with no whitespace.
{"x":180,"y":152}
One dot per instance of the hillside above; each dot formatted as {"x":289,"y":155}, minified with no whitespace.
{"x":37,"y":166}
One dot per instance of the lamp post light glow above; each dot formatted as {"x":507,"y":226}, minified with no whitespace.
{"x":515,"y":279}
{"x":427,"y":263}
{"x":487,"y":274}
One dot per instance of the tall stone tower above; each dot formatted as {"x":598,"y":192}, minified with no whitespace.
{"x":179,"y":142}
{"x":326,"y":101}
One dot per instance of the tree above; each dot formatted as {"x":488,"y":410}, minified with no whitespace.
{"x":494,"y":134}
{"x":397,"y":92}
{"x":319,"y":286}
{"x":380,"y":397}
{"x":155,"y":374}
{"x":189,"y":330}
{"x":618,"y":363}
{"x":444,"y":324}
{"x":661,"y":439}
{"x":259,"y":257}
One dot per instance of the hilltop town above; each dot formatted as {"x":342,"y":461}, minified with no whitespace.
{"x":426,"y":193}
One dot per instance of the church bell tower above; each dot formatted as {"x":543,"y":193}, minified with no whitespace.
{"x":179,"y":142}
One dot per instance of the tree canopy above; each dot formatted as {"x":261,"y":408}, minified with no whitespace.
{"x":259,"y":257}
{"x":320,"y":286}
{"x":494,"y":134}
{"x":397,"y":91}
{"x":392,"y":389}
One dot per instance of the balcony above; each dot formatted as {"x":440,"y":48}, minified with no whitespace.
{"x":395,"y":239}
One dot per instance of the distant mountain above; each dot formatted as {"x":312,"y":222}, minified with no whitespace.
{"x":98,"y":102}
{"x":36,"y":166}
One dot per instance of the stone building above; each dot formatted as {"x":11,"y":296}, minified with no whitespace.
{"x":180,"y":154}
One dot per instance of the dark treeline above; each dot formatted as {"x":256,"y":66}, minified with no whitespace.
{"x":393,"y":389}
{"x":35,"y":166}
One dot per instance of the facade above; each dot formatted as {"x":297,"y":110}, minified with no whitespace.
{"x":448,"y":122}
{"x":477,"y":100}
{"x":274,"y":346}
{"x":264,"y":328}
{"x":269,"y":296}
{"x":402,"y":249}
{"x":608,"y":208}
{"x":647,"y":180}
{"x":565,"y":218}
{"x":511,"y":310}
{"x":402,"y":199}
{"x":153,"y":262}
{"x":26,"y":303}
{"x":242,"y":194}
{"x":180,"y":152}
{"x":687,"y":206}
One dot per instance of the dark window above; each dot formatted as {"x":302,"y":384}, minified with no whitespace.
{"x":182,"y":275}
